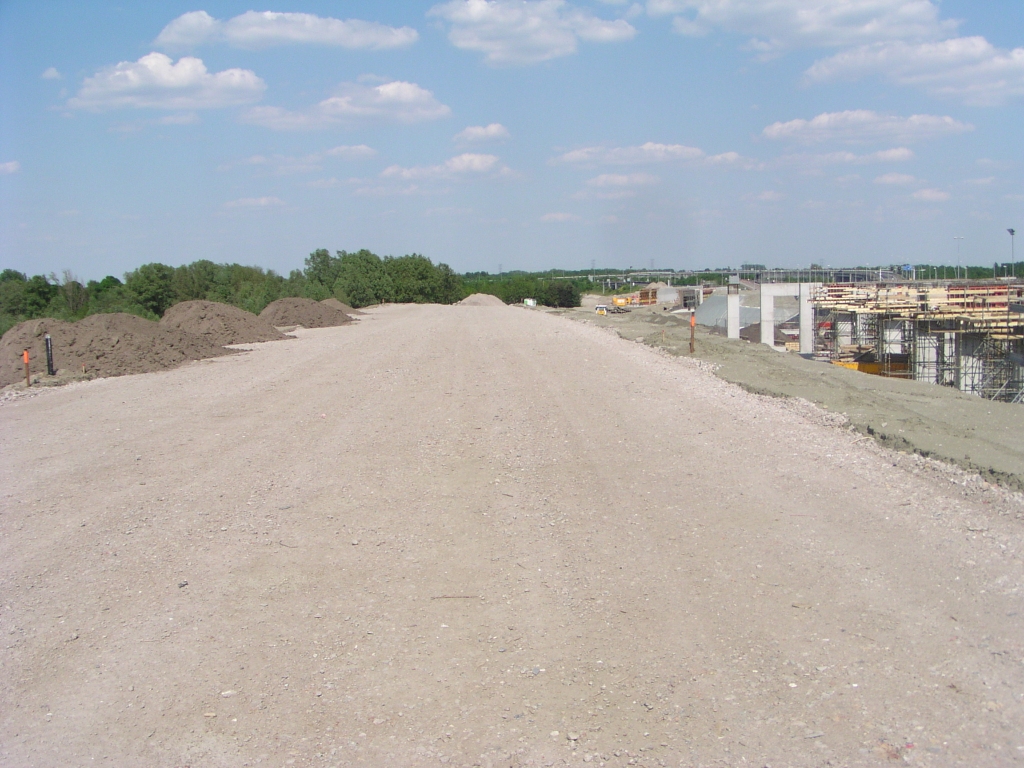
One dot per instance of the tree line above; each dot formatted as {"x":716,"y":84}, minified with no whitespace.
{"x":359,"y":279}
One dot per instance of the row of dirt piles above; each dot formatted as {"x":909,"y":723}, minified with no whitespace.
{"x":106,"y":345}
{"x":119,"y":344}
{"x":219,"y":323}
{"x":332,"y":302}
{"x":481,"y":300}
{"x":305,"y":312}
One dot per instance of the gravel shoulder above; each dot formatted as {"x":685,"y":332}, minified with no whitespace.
{"x":978,"y":435}
{"x":487,"y":536}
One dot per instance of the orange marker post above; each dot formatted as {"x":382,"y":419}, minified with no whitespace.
{"x":693,"y":330}
{"x":24,"y":357}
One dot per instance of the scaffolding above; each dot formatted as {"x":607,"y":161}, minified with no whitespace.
{"x":964,"y":335}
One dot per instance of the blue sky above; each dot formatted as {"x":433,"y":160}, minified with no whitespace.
{"x":532,"y":135}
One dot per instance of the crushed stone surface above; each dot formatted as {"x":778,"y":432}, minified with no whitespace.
{"x":495,"y":538}
{"x":481,"y":300}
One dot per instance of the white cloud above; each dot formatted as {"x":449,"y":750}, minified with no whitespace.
{"x":525,"y":31}
{"x":782,"y":24}
{"x":896,"y":155}
{"x":931,"y":195}
{"x":968,"y":68}
{"x":475,"y":133}
{"x":559,"y":218}
{"x":356,"y":152}
{"x":51,"y":73}
{"x":653,"y":152}
{"x":466,"y":164}
{"x":396,"y":101}
{"x":255,"y":202}
{"x":863,"y":125}
{"x":288,"y":164}
{"x":12,"y":166}
{"x":734,"y":159}
{"x":383,"y":190}
{"x":155,"y":81}
{"x":254,"y":29}
{"x":895,"y":178}
{"x":980,"y":182}
{"x":615,"y":186}
{"x":622,"y":180}
{"x":649,"y":152}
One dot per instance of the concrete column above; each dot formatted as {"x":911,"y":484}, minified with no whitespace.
{"x":732,"y":313}
{"x":767,"y":314}
{"x":843,"y":328}
{"x":806,"y":318}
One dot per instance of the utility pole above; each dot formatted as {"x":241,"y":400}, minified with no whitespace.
{"x":958,"y":239}
{"x":1013,"y":260}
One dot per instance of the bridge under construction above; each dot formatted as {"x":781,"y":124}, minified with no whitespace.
{"x":967,"y":335}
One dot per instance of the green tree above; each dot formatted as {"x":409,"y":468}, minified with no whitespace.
{"x":73,"y":293}
{"x":195,"y":280}
{"x":323,"y":268}
{"x":561,"y":293}
{"x":449,"y":285}
{"x":413,"y":279}
{"x":362,"y":279}
{"x":9,"y":275}
{"x":152,"y":285}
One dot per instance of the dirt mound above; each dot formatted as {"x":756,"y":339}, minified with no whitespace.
{"x":332,"y":302}
{"x":219,"y":323}
{"x":304,"y":312}
{"x":108,"y":345}
{"x":481,"y":300}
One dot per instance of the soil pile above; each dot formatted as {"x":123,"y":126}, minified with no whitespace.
{"x":108,"y":345}
{"x":219,"y":323}
{"x":332,"y":302}
{"x":304,"y":312}
{"x":481,"y":300}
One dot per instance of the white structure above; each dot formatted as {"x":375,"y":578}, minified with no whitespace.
{"x":802,"y":292}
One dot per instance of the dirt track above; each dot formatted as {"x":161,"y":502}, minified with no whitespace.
{"x":489,"y":536}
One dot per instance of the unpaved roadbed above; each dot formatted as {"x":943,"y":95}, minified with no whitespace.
{"x":487,"y":536}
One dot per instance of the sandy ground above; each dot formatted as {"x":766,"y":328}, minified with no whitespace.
{"x":979,"y":435}
{"x":491,"y":537}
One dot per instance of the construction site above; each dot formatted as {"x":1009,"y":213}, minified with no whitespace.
{"x":969,"y":336}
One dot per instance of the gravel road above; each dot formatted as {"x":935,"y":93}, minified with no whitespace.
{"x":491,"y":537}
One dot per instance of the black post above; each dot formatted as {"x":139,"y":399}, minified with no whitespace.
{"x":49,"y":356}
